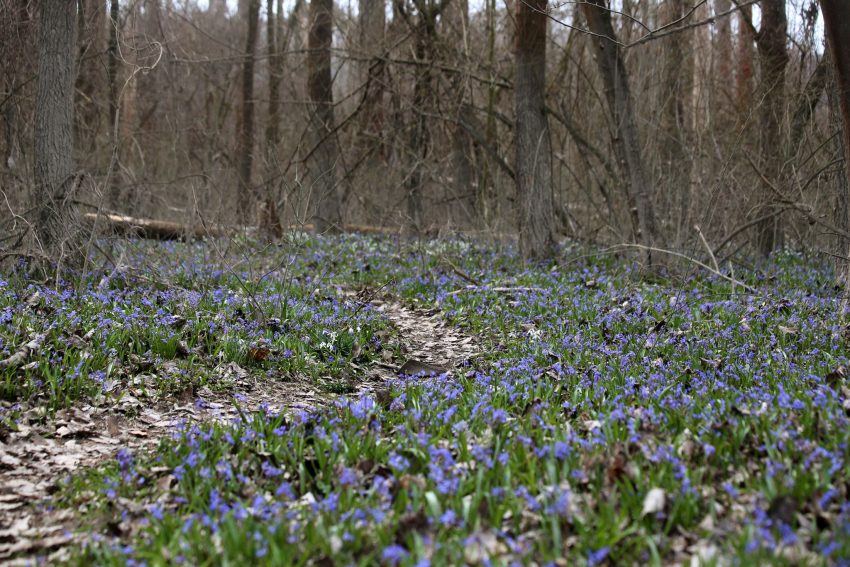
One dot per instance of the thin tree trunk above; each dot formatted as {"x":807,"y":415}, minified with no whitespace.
{"x":626,"y":140}
{"x":246,"y":135}
{"x":112,"y":66}
{"x":486,"y":201}
{"x":371,"y":71}
{"x":320,"y":90}
{"x":836,"y":16}
{"x":723,"y":65}
{"x":114,"y":94}
{"x":420,"y":139}
{"x":745,"y":56}
{"x":275,"y":58}
{"x":773,"y":60}
{"x":533,"y":150}
{"x":269,"y":220}
{"x":54,"y":126}
{"x":677,"y":135}
{"x":424,"y":31}
{"x":90,"y":22}
{"x":807,"y":102}
{"x":463,"y":185}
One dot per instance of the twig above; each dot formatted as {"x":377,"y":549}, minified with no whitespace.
{"x":456,"y":269}
{"x":708,"y":248}
{"x":689,"y":259}
{"x":494,"y":289}
{"x":744,"y":227}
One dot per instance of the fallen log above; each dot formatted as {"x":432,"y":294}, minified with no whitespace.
{"x":168,"y":230}
{"x":159,"y":229}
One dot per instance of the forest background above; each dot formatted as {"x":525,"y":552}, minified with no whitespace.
{"x":690,"y":126}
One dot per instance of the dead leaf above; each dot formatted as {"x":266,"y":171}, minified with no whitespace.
{"x":482,"y":546}
{"x":183,"y":349}
{"x":258,"y":354}
{"x":654,"y":501}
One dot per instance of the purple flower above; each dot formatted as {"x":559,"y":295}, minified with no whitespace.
{"x":394,"y":554}
{"x":398,"y":462}
{"x":448,"y":518}
{"x":125,"y":459}
{"x":285,"y":491}
{"x":348,"y":477}
{"x":598,"y":556}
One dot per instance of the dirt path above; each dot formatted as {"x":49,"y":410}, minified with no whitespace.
{"x":35,"y":457}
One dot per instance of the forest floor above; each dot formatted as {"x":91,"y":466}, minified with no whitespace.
{"x":381,"y":401}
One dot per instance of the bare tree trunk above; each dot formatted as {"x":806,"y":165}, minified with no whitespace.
{"x":114,"y":94}
{"x":723,"y":65}
{"x":371,"y":73}
{"x":91,"y":17}
{"x":745,"y":56}
{"x":533,"y":150}
{"x":112,"y":67}
{"x":246,"y":135}
{"x":320,"y":90}
{"x":836,"y":16}
{"x":275,"y":74}
{"x":54,"y":125}
{"x":677,"y":135}
{"x":626,"y":140}
{"x":773,"y":60}
{"x":420,"y":139}
{"x":15,"y":38}
{"x":486,"y":202}
{"x":269,"y":220}
{"x":424,"y":31}
{"x":463,"y":183}
{"x":807,"y":102}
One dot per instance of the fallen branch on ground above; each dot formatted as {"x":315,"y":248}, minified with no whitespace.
{"x":168,"y":230}
{"x":494,"y":289}
{"x":23,"y":353}
{"x":159,"y":229}
{"x":691,"y":260}
{"x":456,"y":269}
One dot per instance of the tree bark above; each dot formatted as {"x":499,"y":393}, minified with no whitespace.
{"x":323,"y":179}
{"x":625,"y":137}
{"x":723,"y":65}
{"x":744,"y":72}
{"x":372,"y":71}
{"x":836,"y":16}
{"x":773,"y":60}
{"x":114,"y":94}
{"x":246,"y":135}
{"x":269,"y":219}
{"x":420,"y":138}
{"x":91,"y":17}
{"x":533,"y":151}
{"x":16,"y":29}
{"x":275,"y":74}
{"x":54,"y":126}
{"x":463,"y":191}
{"x":423,"y":28}
{"x":677,"y":133}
